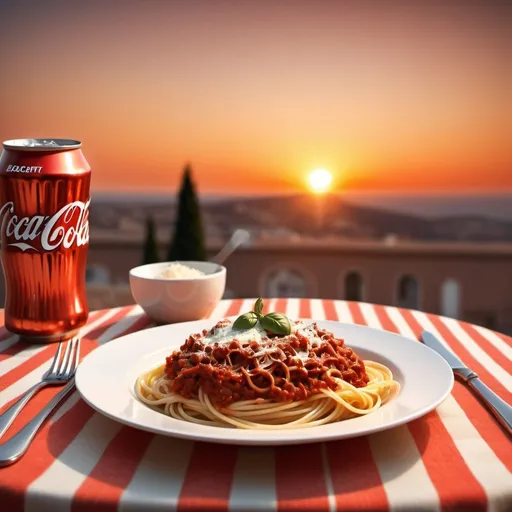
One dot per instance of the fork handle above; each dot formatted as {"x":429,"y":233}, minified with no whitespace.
{"x":8,"y":416}
{"x":15,"y":447}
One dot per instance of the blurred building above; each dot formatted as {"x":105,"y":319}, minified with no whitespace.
{"x":465,"y":281}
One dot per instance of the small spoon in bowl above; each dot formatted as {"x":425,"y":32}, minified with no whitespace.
{"x":239,"y":237}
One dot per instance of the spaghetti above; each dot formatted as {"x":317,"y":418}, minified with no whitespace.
{"x":254,"y":379}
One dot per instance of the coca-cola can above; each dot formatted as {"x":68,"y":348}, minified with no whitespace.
{"x":44,"y":223}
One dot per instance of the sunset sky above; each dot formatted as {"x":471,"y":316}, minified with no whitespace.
{"x":387,"y":95}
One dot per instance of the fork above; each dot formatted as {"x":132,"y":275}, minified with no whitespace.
{"x":60,"y":372}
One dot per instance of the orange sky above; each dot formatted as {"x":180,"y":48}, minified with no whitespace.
{"x":387,"y":95}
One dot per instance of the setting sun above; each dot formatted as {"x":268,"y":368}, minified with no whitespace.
{"x":320,"y":180}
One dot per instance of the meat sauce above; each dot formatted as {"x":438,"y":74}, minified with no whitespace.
{"x":277,"y":368}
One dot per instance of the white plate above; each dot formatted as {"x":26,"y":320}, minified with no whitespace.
{"x":106,"y":379}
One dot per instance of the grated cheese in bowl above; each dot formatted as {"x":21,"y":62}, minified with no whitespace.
{"x":179,"y":271}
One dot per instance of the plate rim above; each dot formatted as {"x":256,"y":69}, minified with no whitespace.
{"x":277,"y":440}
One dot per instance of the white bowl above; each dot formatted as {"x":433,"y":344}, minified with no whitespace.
{"x":178,"y":300}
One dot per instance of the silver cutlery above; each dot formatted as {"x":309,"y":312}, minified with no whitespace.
{"x":501,"y":410}
{"x":60,"y":372}
{"x":14,"y":449}
{"x":239,"y":237}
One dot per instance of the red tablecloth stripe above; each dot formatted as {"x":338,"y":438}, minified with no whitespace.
{"x":234,"y":307}
{"x":19,"y":346}
{"x":9,"y":378}
{"x":357,"y":315}
{"x":103,"y":488}
{"x":414,"y":325}
{"x":53,"y":438}
{"x":12,"y":350}
{"x":11,"y":347}
{"x":482,"y":420}
{"x":440,"y":456}
{"x":304,"y":476}
{"x":109,"y":477}
{"x":442,"y":461}
{"x":488,"y":347}
{"x":305,"y":309}
{"x":280,"y":305}
{"x":42,"y":453}
{"x":303,"y":490}
{"x":107,"y":322}
{"x":504,"y":338}
{"x":330,"y":310}
{"x":17,"y":478}
{"x":87,"y":345}
{"x":208,"y":480}
{"x":266,"y":306}
{"x":458,"y":347}
{"x":355,"y":477}
{"x":485,"y":423}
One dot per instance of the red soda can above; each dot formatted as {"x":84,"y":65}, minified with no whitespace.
{"x":44,"y":227}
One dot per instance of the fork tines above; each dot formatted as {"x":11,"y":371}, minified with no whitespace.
{"x":64,"y":367}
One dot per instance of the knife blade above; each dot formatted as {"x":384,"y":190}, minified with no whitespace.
{"x":501,"y":410}
{"x":458,"y":367}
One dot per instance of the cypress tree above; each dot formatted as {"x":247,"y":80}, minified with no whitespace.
{"x":188,"y":238}
{"x":150,"y":243}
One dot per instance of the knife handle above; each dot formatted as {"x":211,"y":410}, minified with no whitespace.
{"x":16,"y":446}
{"x":498,"y":407}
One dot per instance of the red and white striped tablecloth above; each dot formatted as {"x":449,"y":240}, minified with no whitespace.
{"x":455,"y":458}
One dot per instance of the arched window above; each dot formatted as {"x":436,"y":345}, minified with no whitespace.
{"x":97,"y":274}
{"x":408,"y":292}
{"x":286,"y":283}
{"x":354,"y":286}
{"x":450,"y":298}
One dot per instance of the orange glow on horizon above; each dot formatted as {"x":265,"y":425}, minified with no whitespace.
{"x":403,"y":99}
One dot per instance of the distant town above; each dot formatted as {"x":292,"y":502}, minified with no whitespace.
{"x":458,"y":265}
{"x":303,"y":216}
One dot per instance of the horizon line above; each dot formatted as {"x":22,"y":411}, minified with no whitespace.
{"x":416,"y":193}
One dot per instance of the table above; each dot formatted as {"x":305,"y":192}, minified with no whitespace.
{"x":456,"y":457}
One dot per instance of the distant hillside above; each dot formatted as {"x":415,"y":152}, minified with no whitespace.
{"x":471,"y":229}
{"x":301,"y":215}
{"x":332,"y":216}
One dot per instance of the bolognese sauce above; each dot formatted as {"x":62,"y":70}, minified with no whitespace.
{"x":279,"y":368}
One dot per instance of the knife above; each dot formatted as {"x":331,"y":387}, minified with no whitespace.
{"x":497,"y":406}
{"x":13,"y":449}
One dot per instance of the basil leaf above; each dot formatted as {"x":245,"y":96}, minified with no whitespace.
{"x":276,"y":323}
{"x":245,"y":321}
{"x":258,"y":306}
